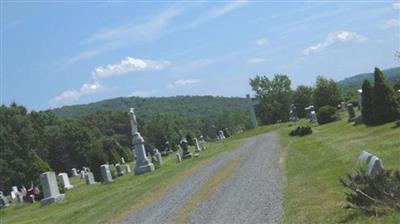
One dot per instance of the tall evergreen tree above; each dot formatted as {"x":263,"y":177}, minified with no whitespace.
{"x":386,"y":107}
{"x":367,"y":103}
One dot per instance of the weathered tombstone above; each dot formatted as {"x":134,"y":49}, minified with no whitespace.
{"x":3,"y":200}
{"x":185,"y":148}
{"x":178,"y":157}
{"x":106,"y":173}
{"x":202,"y":143}
{"x":352,"y":114}
{"x":89,"y":178}
{"x":196,"y":145}
{"x":157,"y":156}
{"x":82,"y":174}
{"x":14,"y":192}
{"x":365,"y":156}
{"x":122,"y":160}
{"x":374,"y":166}
{"x":165,"y":150}
{"x":120,"y":170}
{"x":221,"y":135}
{"x":74,"y":173}
{"x":143,"y":165}
{"x":50,"y":189}
{"x":313,"y":116}
{"x":63,"y":177}
{"x":128,"y":168}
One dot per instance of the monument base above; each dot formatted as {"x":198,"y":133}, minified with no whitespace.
{"x":144,"y":169}
{"x":68,"y":187}
{"x":187,"y":155}
{"x":50,"y":200}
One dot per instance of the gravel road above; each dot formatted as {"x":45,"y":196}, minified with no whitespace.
{"x":251,"y":195}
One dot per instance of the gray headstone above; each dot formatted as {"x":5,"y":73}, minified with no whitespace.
{"x":74,"y":173}
{"x":120,"y":170}
{"x":202,"y":143}
{"x":196,"y":145}
{"x":178,"y":157}
{"x":157,"y":156}
{"x":82,"y":174}
{"x":50,"y":189}
{"x":89,"y":178}
{"x":374,"y":166}
{"x":128,"y":168}
{"x":350,"y":110}
{"x":106,"y":173}
{"x":63,"y":177}
{"x":3,"y":201}
{"x":365,"y":156}
{"x":122,"y":160}
{"x":313,"y":116}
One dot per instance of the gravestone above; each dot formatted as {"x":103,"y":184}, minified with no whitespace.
{"x":3,"y":200}
{"x":308,"y":111}
{"x":293,"y":113}
{"x":122,"y":160}
{"x":313,"y":116}
{"x":89,"y":178}
{"x":157,"y":156}
{"x":352,"y":114}
{"x":120,"y":170}
{"x":74,"y":173}
{"x":185,"y":148}
{"x":221,"y":135}
{"x":50,"y":188}
{"x":374,"y":166}
{"x":196,"y":145}
{"x":202,"y":143}
{"x":14,"y":192}
{"x":106,"y":173}
{"x":128,"y":168}
{"x":63,"y":177}
{"x":178,"y":157}
{"x":365,"y":156}
{"x":143,"y":165}
{"x":166,"y":149}
{"x":82,"y":174}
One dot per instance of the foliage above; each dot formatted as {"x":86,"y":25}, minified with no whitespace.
{"x":326,"y":114}
{"x":302,"y":97}
{"x":274,"y":97}
{"x":367,"y":109}
{"x":386,"y":106}
{"x":375,"y":195}
{"x":301,"y":131}
{"x":325,"y":93}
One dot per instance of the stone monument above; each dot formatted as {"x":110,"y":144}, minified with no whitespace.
{"x":50,"y":188}
{"x":63,"y":177}
{"x":74,"y":173}
{"x":106,"y":173}
{"x":352,"y":114}
{"x":185,"y":148}
{"x":143,"y":165}
{"x":202,"y":143}
{"x":89,"y":178}
{"x":122,"y":160}
{"x":178,"y":157}
{"x":197,"y":145}
{"x":120,"y":170}
{"x":157,"y":156}
{"x":374,"y":166}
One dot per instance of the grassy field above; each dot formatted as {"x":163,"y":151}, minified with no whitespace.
{"x":314,"y":163}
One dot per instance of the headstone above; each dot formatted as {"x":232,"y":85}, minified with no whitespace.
{"x":293,"y":113}
{"x":106,"y":173}
{"x":82,"y":174}
{"x":122,"y":160}
{"x":143,"y":165}
{"x":313,"y":116}
{"x":74,"y":173}
{"x":343,"y":106}
{"x":50,"y":188}
{"x":128,"y":168}
{"x":185,"y":148}
{"x":350,"y":110}
{"x":365,"y":156}
{"x":178,"y":157}
{"x":221,"y":135}
{"x":89,"y":178}
{"x":120,"y":170}
{"x":202,"y":143}
{"x":374,"y":166}
{"x":196,"y":145}
{"x":157,"y":156}
{"x":3,"y":200}
{"x":14,"y":192}
{"x":63,"y":177}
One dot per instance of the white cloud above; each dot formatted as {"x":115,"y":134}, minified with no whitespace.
{"x":219,"y":11}
{"x":335,"y":37}
{"x":262,"y":42}
{"x":257,"y":60}
{"x":183,"y":82}
{"x":128,"y":65}
{"x":396,"y":5}
{"x":392,"y":23}
{"x":70,"y":96}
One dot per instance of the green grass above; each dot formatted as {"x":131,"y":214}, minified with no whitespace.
{"x":314,"y":163}
{"x":109,"y":203}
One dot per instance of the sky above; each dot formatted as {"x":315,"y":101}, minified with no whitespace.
{"x":76,"y":52}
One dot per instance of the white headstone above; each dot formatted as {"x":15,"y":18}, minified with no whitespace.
{"x":74,"y":173}
{"x":128,"y":168}
{"x":63,"y":177}
{"x":89,"y":178}
{"x":122,"y":160}
{"x":3,"y":200}
{"x":50,"y":189}
{"x":106,"y":173}
{"x":120,"y":170}
{"x":157,"y":156}
{"x":82,"y":174}
{"x":196,"y":145}
{"x":178,"y":157}
{"x":365,"y":156}
{"x":374,"y":166}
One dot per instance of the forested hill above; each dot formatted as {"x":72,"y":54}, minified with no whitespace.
{"x":186,"y":106}
{"x":391,"y":74}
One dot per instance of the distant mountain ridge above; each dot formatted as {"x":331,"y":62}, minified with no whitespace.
{"x":391,"y":74}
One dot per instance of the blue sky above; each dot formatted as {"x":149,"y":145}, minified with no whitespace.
{"x":65,"y":53}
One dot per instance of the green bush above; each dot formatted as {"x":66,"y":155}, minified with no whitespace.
{"x":301,"y":131}
{"x":326,"y":114}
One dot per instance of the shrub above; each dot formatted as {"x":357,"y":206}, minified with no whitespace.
{"x":326,"y":114}
{"x":301,"y":131}
{"x":374,"y":195}
{"x":367,"y":109}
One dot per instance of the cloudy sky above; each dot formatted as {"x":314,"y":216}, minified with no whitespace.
{"x":61,"y":53}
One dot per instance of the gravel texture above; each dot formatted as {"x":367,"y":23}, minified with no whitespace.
{"x":251,"y":195}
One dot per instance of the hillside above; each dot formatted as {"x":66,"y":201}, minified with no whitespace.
{"x":391,"y":74}
{"x":187,"y":106}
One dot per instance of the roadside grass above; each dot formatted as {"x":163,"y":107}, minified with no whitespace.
{"x":314,"y":163}
{"x":111,"y":203}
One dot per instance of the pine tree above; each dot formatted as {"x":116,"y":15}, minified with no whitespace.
{"x":386,"y":107}
{"x":367,"y":103}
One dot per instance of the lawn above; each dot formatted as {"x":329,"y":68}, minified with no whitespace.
{"x":314,"y":163}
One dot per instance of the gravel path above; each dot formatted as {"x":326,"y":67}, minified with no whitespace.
{"x":251,"y":195}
